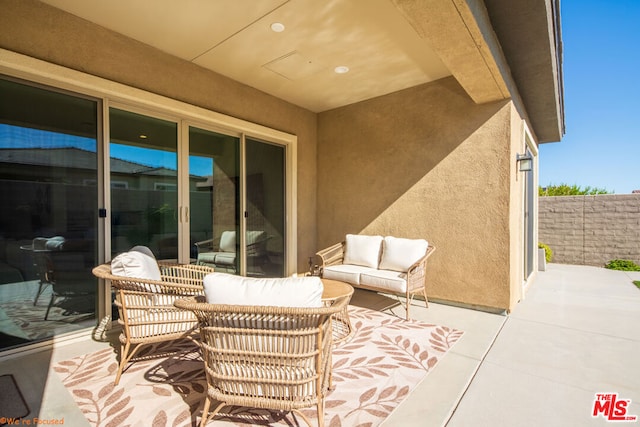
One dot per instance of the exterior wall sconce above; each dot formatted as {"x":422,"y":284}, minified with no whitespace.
{"x":525,"y":162}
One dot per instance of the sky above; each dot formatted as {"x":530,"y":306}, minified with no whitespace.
{"x":601,"y":64}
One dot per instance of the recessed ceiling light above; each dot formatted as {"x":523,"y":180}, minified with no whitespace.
{"x":341,"y":69}
{"x":143,"y":136}
{"x":277,"y":27}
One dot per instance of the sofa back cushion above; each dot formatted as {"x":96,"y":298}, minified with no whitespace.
{"x":399,"y":254}
{"x":224,"y":288}
{"x":253,"y":239}
{"x":362,"y":250}
{"x":138,"y":263}
{"x":228,"y":241}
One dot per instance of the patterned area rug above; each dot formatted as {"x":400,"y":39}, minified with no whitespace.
{"x":373,"y":372}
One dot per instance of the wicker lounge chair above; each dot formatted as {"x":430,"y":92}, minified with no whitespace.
{"x":276,"y":358}
{"x":146,"y":310}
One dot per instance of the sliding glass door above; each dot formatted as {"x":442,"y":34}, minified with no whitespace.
{"x":77,"y":191}
{"x":48,"y":219}
{"x":214,"y":197}
{"x":234,"y":189}
{"x":230,"y":192}
{"x":265,"y":208}
{"x":144,"y":183}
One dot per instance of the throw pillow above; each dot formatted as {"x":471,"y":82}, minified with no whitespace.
{"x":362,"y":250}
{"x":399,"y":254}
{"x":228,"y":241}
{"x":138,"y":263}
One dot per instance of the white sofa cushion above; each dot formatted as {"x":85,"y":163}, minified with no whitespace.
{"x":399,"y":254}
{"x":228,"y":241}
{"x":223,"y":288}
{"x":225,"y":258}
{"x":138,"y":263}
{"x":345,"y":272}
{"x":385,"y":280}
{"x":362,"y":250}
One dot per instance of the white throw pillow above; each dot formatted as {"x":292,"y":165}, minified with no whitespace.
{"x":362,"y":250}
{"x":399,"y":254}
{"x":228,"y":241}
{"x":139,"y":262}
{"x":224,"y":288}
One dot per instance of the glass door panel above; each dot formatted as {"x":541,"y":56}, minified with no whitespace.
{"x":265,"y":208}
{"x":144,"y":172}
{"x":214,"y":194}
{"x":48,"y":219}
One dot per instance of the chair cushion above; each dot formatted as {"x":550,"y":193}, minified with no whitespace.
{"x":362,"y":250}
{"x":385,"y":280}
{"x":224,"y":288}
{"x":399,"y":254}
{"x":207,"y":257}
{"x":139,"y":263}
{"x":225,"y":258}
{"x":228,"y":241}
{"x":345,"y":272}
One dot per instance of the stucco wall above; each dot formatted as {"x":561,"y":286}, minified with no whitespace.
{"x":40,"y":31}
{"x":428,"y":163}
{"x":591,"y":230}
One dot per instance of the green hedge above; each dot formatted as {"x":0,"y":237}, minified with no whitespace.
{"x":622,"y":265}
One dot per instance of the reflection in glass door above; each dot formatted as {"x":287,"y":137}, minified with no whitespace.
{"x":265,"y":208}
{"x":144,"y":172}
{"x":218,"y":210}
{"x":214,"y":194}
{"x":48,"y":219}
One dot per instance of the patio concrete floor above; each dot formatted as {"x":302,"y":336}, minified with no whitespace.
{"x":576,"y":333}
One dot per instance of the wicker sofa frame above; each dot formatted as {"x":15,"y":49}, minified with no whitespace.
{"x":334,"y":255}
{"x":146,"y":308}
{"x":276,"y":358}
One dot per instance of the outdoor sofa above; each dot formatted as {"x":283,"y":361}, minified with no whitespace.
{"x":382,"y":264}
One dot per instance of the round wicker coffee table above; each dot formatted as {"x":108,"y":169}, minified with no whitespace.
{"x":333,"y":291}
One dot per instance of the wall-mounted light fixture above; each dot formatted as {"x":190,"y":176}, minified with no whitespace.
{"x":525,"y":162}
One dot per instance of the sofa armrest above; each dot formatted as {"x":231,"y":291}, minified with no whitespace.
{"x":415,"y":273}
{"x":333,"y":255}
{"x":209,"y":245}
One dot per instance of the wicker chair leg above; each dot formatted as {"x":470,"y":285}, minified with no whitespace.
{"x":307,"y":420}
{"x":320,"y":413}
{"x":206,"y":417}
{"x":409,"y":300}
{"x":125,"y":357}
{"x":205,"y":412}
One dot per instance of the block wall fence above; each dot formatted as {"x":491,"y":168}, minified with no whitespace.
{"x":590,"y":230}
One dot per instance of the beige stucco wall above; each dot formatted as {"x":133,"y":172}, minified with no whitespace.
{"x":43,"y":32}
{"x":425,"y":162}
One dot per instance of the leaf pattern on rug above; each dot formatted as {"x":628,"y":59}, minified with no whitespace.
{"x":29,"y":318}
{"x":372,"y":373}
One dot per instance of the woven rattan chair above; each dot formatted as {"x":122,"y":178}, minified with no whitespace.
{"x":274,"y":358}
{"x":146,"y":310}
